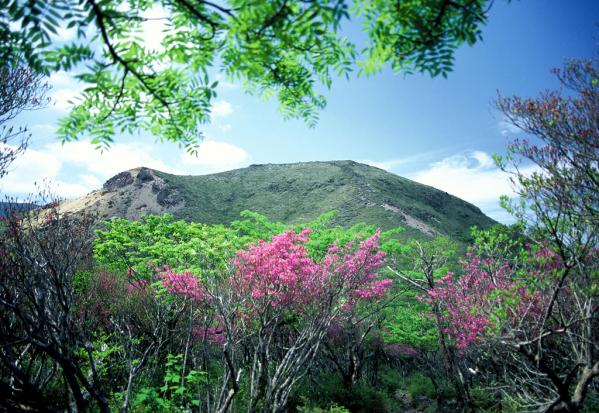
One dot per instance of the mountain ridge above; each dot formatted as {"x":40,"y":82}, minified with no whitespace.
{"x":290,"y":193}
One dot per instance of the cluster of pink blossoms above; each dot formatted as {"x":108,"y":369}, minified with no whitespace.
{"x":491,"y":297}
{"x":281,"y":273}
{"x":213,"y":335}
{"x":356,"y":268}
{"x":184,"y":284}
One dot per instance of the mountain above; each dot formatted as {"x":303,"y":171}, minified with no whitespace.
{"x":290,"y":193}
{"x":9,"y":207}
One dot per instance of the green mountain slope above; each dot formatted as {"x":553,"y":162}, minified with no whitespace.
{"x":291,"y":193}
{"x":299,"y":192}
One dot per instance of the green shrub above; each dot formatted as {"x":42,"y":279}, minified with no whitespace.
{"x":314,"y":409}
{"x":486,"y":401}
{"x":171,"y":396}
{"x":417,"y":384}
{"x":82,"y":281}
{"x":390,"y":380}
{"x":359,"y":398}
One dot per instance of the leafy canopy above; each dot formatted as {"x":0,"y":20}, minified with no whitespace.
{"x":128,"y":246}
{"x":290,"y":49}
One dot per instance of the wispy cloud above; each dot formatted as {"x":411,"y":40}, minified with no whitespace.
{"x":386,"y":165}
{"x":32,"y":169}
{"x":221,"y":109}
{"x":60,"y":79}
{"x":472,"y":176}
{"x":77,"y":168}
{"x":65,"y":90}
{"x":120,"y":157}
{"x":506,"y":128}
{"x":394,"y":164}
{"x":216,"y":156}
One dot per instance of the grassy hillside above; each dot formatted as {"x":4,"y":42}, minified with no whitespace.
{"x":300,"y":192}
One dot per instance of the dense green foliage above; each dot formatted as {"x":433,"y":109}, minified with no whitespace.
{"x":291,"y":49}
{"x":130,"y":245}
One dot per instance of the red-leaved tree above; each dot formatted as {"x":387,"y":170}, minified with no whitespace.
{"x":538,"y":305}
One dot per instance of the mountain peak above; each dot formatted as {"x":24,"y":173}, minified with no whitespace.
{"x":122,"y":179}
{"x":291,"y":193}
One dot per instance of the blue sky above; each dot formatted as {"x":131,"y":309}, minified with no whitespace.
{"x":440,"y":132}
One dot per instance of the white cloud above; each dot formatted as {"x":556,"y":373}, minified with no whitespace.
{"x":391,"y":164}
{"x":35,"y":163}
{"x":386,"y":165}
{"x":485,"y":161}
{"x":155,"y":28}
{"x":90,"y":181}
{"x":32,"y":170}
{"x":65,"y":89}
{"x":472,"y":177}
{"x":216,"y":155}
{"x":76,"y":168}
{"x":507,"y":128}
{"x":120,"y":157}
{"x":60,"y":79}
{"x":63,"y":99}
{"x":221,"y":108}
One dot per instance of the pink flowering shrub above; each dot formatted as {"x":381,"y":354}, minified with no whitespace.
{"x":110,"y":294}
{"x":280,"y":273}
{"x":186,"y":284}
{"x":278,"y":301}
{"x":354,"y":269}
{"x":495,"y":298}
{"x":212,"y":335}
{"x":279,"y":276}
{"x":398,"y":350}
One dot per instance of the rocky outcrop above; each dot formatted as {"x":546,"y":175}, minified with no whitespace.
{"x":130,"y":194}
{"x":168,"y":197}
{"x":118,"y":181}
{"x":144,"y":175}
